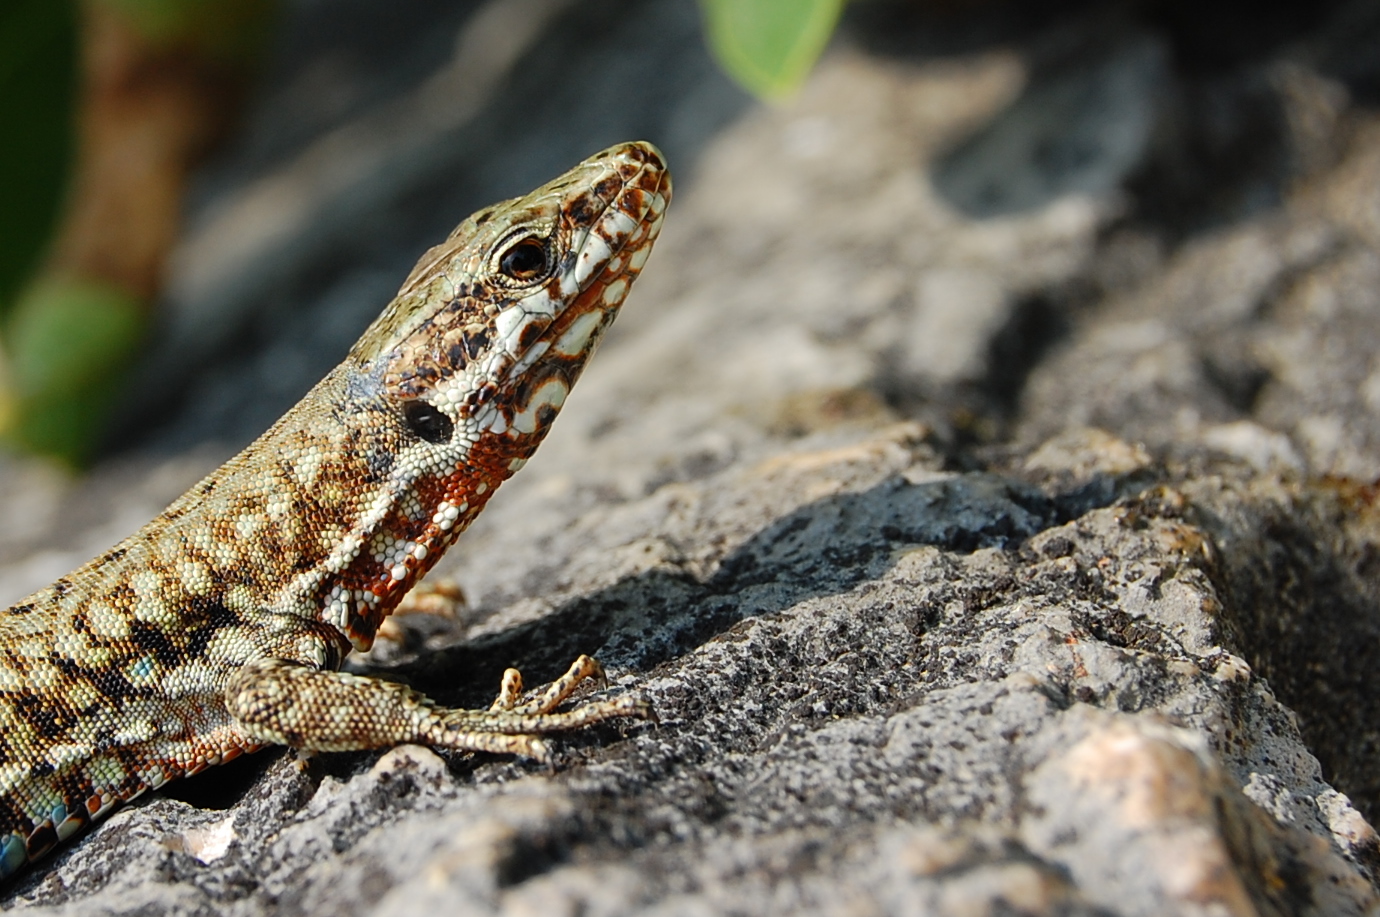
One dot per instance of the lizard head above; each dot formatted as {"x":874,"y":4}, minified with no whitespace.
{"x":492,"y":322}
{"x":471,"y":362}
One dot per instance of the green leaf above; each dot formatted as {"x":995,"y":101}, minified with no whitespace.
{"x":233,"y":31}
{"x":769,"y":46}
{"x":70,"y":345}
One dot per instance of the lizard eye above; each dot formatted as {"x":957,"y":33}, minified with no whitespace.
{"x":428,"y":422}
{"x":524,"y":260}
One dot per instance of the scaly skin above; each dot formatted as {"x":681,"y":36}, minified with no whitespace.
{"x":219,"y":627}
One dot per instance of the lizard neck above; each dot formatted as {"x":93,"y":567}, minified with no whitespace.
{"x":325,"y":517}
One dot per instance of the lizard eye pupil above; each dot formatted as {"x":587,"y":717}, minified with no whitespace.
{"x":428,"y":422}
{"x":524,"y":261}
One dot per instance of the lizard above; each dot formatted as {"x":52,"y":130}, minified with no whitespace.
{"x":219,"y":628}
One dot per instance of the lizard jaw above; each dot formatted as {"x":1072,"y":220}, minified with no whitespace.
{"x":608,"y":212}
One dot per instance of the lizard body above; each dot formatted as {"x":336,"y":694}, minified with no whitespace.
{"x":219,"y":627}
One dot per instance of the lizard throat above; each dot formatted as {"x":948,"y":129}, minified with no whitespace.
{"x":422,"y":513}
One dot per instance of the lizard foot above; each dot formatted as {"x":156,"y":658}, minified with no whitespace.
{"x":287,"y":703}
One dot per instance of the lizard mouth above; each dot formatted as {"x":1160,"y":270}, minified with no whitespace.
{"x":610,"y":213}
{"x":590,"y":287}
{"x":621,"y":216}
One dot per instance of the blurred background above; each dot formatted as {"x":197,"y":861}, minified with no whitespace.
{"x":887,"y":209}
{"x":262,"y":123}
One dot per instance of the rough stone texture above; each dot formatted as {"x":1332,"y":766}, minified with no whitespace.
{"x":979,"y":483}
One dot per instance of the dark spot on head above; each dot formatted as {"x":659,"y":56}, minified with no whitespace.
{"x":21,"y":609}
{"x":62,"y":587}
{"x":545,"y":415}
{"x":456,"y":355}
{"x":582,"y":212}
{"x":476,"y":339}
{"x":481,"y":394}
{"x":608,"y":188}
{"x":428,"y":422}
{"x":529,"y":335}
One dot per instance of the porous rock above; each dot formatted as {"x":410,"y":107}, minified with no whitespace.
{"x":986,"y":540}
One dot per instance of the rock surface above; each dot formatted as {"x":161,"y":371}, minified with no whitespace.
{"x":978,"y":483}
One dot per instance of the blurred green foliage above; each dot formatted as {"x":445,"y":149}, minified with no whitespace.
{"x":233,"y":31}
{"x":769,"y":46}
{"x":67,"y":338}
{"x":70,"y":344}
{"x":38,"y":83}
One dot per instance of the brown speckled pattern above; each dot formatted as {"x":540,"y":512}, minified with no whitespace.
{"x":218,"y":627}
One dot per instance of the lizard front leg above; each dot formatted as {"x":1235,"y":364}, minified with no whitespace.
{"x":288,"y":703}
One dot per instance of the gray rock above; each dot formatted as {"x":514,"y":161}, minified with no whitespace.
{"x":975,"y":562}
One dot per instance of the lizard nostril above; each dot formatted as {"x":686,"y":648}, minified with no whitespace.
{"x":428,"y":422}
